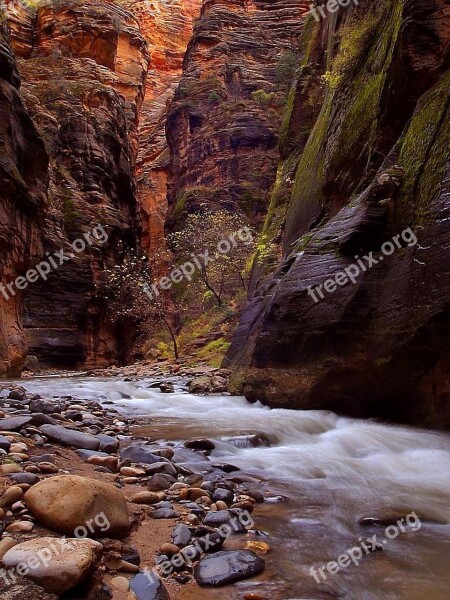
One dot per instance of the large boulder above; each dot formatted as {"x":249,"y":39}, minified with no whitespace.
{"x":66,"y":503}
{"x":57,"y":565}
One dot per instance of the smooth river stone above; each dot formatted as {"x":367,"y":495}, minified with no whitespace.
{"x":225,"y":567}
{"x":66,"y":502}
{"x":14,"y":423}
{"x":69,"y":437}
{"x":67,"y":563}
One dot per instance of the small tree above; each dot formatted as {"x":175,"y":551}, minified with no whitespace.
{"x":127,"y":289}
{"x":228,"y":244}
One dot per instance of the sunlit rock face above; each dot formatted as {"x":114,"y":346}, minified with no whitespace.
{"x":224,"y":123}
{"x":83,"y":67}
{"x":365,"y":157}
{"x":23,"y":180}
{"x":167,"y":27}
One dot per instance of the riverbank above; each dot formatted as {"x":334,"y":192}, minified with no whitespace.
{"x":328,"y":481}
{"x":182,"y":508}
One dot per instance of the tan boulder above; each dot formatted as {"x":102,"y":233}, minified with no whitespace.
{"x":69,"y":503}
{"x":57,"y":565}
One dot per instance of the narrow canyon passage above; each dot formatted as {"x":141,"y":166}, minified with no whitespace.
{"x":321,"y":474}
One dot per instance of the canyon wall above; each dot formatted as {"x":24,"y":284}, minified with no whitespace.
{"x":23,"y":181}
{"x":83,"y":69}
{"x":365,"y":156}
{"x":224,"y":122}
{"x":167,"y":27}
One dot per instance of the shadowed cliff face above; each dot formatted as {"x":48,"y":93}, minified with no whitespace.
{"x":224,"y":122}
{"x":364,"y":156}
{"x":23,"y":175}
{"x":83,"y":68}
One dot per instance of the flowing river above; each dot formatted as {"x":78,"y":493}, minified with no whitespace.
{"x":325,"y":473}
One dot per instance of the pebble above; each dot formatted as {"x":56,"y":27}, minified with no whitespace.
{"x":8,"y":468}
{"x":132,"y":472}
{"x":144,"y":498}
{"x":12,"y":494}
{"x":104,"y":461}
{"x":120,"y":584}
{"x":261,"y":547}
{"x":20,"y":527}
{"x":6,"y":544}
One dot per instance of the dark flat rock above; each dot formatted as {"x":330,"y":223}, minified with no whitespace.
{"x":224,"y":517}
{"x":148,"y":586}
{"x":228,"y":567}
{"x":14,"y":423}
{"x":4,"y":443}
{"x":69,"y":437}
{"x":139,"y":454}
{"x":181,"y":535}
{"x":29,"y":478}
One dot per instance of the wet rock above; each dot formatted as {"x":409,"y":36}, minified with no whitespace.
{"x":224,"y":517}
{"x":68,"y":563}
{"x":139,"y":454}
{"x":227,"y":468}
{"x":14,"y":423}
{"x":18,"y":393}
{"x":69,"y":437}
{"x":148,"y":587}
{"x":200,"y":444}
{"x":200,"y":385}
{"x":228,"y":567}
{"x":218,"y":384}
{"x":66,"y":502}
{"x":167,"y":388}
{"x":261,"y":547}
{"x":181,"y":535}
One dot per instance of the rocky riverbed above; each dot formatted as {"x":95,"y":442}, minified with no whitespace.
{"x":91,"y":510}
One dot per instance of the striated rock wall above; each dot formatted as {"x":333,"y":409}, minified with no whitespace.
{"x":84,"y":67}
{"x":23,"y":180}
{"x":224,"y":122}
{"x":167,"y":27}
{"x":365,"y":155}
